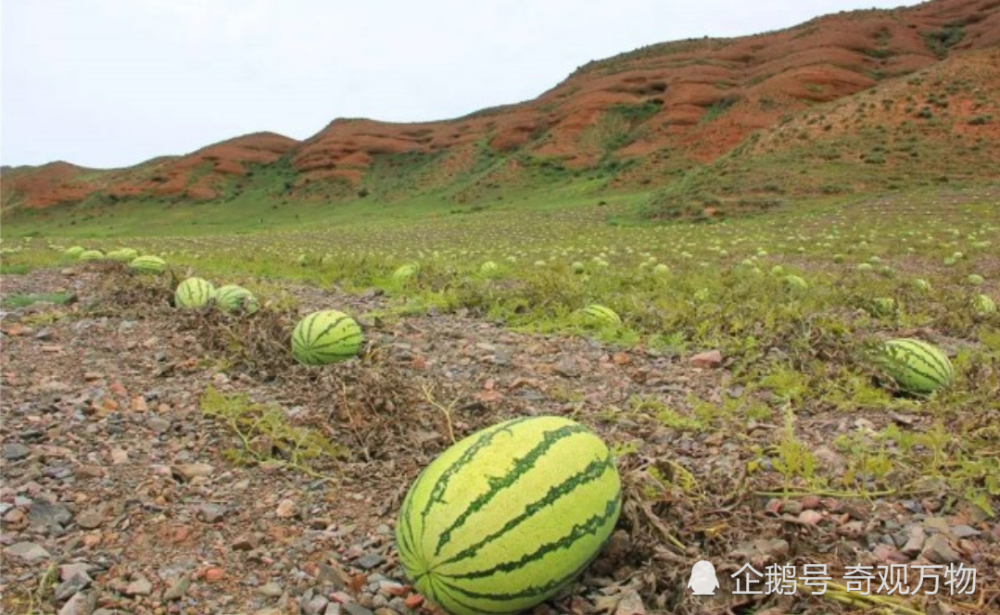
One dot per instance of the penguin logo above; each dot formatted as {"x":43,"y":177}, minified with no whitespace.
{"x":703,"y":579}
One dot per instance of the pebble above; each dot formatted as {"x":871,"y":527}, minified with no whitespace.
{"x":212,"y":513}
{"x":90,"y":519}
{"x":15,"y":451}
{"x":139,"y":587}
{"x":271,"y":590}
{"x":79,"y":604}
{"x":49,"y":515}
{"x":71,"y":586}
{"x":937,"y":550}
{"x":369,"y":561}
{"x":915,"y":541}
{"x":177,"y":589}
{"x":190,"y":471}
{"x":286,"y":509}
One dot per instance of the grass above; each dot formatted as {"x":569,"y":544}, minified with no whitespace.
{"x":24,"y":300}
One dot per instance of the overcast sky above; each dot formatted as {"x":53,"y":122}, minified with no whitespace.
{"x":108,"y":83}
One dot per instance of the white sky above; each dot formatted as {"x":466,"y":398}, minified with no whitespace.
{"x":107,"y":83}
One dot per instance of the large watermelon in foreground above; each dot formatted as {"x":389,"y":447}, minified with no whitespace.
{"x":916,"y":366}
{"x":327,"y":336}
{"x":509,"y":516}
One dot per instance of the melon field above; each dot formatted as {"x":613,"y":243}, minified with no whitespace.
{"x":167,"y":460}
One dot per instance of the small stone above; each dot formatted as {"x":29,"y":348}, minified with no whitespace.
{"x":190,"y":471}
{"x":369,"y":561}
{"x":66,"y":571}
{"x":964,"y":531}
{"x":72,"y":586}
{"x":15,"y":451}
{"x":212,"y":513}
{"x":286,"y":509}
{"x":315,"y":606}
{"x":158,"y":425}
{"x":915,"y":543}
{"x":792,"y":507}
{"x":810,"y":517}
{"x":413,"y":601}
{"x":119,"y":456}
{"x":90,"y":519}
{"x":353,"y":608}
{"x":214,"y":575}
{"x":938,"y":551}
{"x":271,"y":590}
{"x":710,"y":359}
{"x":79,"y":604}
{"x":177,"y":589}
{"x":332,"y":608}
{"x":139,"y":587}
{"x":245,"y":542}
{"x":49,"y":515}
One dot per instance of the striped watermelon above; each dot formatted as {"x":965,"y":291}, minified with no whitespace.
{"x":509,"y":516}
{"x":194,"y":293}
{"x":327,"y":336}
{"x":75,"y":251}
{"x":489,"y":268}
{"x":599,"y":316}
{"x":984,"y":305}
{"x":148,"y":264}
{"x":233,"y":298}
{"x":916,"y":366}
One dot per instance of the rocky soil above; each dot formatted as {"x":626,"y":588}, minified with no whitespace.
{"x":120,"y":495}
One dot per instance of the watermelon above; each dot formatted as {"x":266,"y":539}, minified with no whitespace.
{"x":124,"y":255}
{"x":489,"y":268}
{"x":975,"y":280}
{"x":233,"y":298}
{"x":509,"y":516}
{"x":883,"y":306}
{"x":194,"y":293}
{"x":661,"y":269}
{"x":794,"y":282}
{"x":577,"y":267}
{"x":148,"y":264}
{"x":599,"y":316}
{"x":405,"y":272}
{"x":922,"y":285}
{"x":917,"y":367}
{"x":91,"y":255}
{"x":864,"y":267}
{"x":327,"y":336}
{"x":984,"y":305}
{"x":75,"y":251}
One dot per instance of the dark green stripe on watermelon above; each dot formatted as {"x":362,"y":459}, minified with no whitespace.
{"x":594,"y":471}
{"x":484,"y":440}
{"x":530,"y":592}
{"x":522,"y":466}
{"x":590,"y":526}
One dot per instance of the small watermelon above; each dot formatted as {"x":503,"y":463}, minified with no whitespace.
{"x":984,"y":305}
{"x":75,"y":251}
{"x":883,"y":306}
{"x":922,"y":285}
{"x":489,"y":268}
{"x":91,"y":255}
{"x":975,"y":280}
{"x":917,"y":367}
{"x":148,"y":264}
{"x":327,"y":336}
{"x":233,"y":298}
{"x":661,"y":269}
{"x":509,"y":516}
{"x":865,"y":267}
{"x":123,"y":255}
{"x":599,"y":316}
{"x":405,"y":272}
{"x":194,"y":293}
{"x":577,"y":267}
{"x":794,"y":282}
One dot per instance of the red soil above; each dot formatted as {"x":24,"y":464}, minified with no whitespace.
{"x":755,"y":79}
